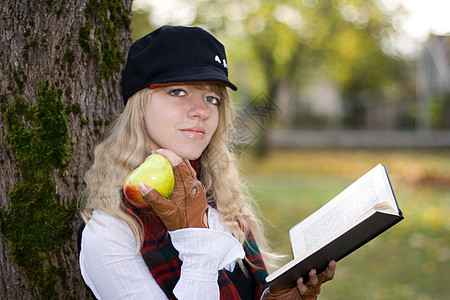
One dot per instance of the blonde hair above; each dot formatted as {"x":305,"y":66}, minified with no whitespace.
{"x":114,"y":159}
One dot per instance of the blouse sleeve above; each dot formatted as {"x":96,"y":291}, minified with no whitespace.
{"x":110,"y":263}
{"x":203,"y":253}
{"x":113,"y":268}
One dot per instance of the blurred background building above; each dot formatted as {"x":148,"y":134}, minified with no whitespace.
{"x":433,"y":84}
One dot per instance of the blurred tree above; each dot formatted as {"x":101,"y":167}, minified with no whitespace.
{"x":60,"y":67}
{"x":358,"y":58}
{"x":140,"y":23}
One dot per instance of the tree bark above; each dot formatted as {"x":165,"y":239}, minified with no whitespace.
{"x":60,"y":70}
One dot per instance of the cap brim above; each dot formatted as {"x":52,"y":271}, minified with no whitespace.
{"x":193,"y":74}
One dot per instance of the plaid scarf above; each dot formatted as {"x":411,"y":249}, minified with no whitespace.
{"x":163,"y":262}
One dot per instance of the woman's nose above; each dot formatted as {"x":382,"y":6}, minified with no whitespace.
{"x":198,"y":107}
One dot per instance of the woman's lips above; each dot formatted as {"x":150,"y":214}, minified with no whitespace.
{"x":195,"y":132}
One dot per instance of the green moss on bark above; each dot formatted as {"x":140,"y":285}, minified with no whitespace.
{"x":20,"y":79}
{"x":102,"y":42}
{"x":37,"y":223}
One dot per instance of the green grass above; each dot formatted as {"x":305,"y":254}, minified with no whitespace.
{"x":409,"y":261}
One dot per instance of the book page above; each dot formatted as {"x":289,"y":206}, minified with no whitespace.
{"x":361,"y":196}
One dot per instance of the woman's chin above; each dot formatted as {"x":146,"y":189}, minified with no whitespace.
{"x":188,"y":154}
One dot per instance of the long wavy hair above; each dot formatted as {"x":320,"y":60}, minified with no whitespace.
{"x":114,"y":159}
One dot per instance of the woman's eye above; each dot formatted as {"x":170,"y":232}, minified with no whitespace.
{"x":213,"y":100}
{"x":177,"y":92}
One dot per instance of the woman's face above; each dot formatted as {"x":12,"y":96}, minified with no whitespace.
{"x":182,"y":118}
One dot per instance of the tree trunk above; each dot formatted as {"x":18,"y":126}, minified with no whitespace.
{"x":60,"y":67}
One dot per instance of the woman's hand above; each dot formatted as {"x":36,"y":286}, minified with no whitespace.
{"x":311,"y":289}
{"x":308,"y":291}
{"x":187,"y":206}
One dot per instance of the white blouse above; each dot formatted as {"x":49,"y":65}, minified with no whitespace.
{"x":113,"y":268}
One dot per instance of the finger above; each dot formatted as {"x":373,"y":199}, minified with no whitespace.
{"x":144,"y":189}
{"x":313,"y":280}
{"x":171,"y":156}
{"x":137,"y":201}
{"x":302,"y":288}
{"x":330,"y":270}
{"x":160,"y":205}
{"x":328,"y":274}
{"x":184,"y":172}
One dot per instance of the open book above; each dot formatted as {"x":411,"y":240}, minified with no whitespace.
{"x":358,"y":214}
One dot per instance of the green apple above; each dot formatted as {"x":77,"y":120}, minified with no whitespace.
{"x":156,"y":171}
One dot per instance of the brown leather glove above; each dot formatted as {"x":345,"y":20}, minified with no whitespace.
{"x":187,"y":206}
{"x":282,"y":293}
{"x":293,"y":293}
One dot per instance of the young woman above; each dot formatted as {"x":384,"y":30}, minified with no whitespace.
{"x":204,"y":241}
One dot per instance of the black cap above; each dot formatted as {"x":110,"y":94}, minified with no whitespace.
{"x":174,"y":54}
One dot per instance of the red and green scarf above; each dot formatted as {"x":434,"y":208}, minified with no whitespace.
{"x":163,"y":262}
